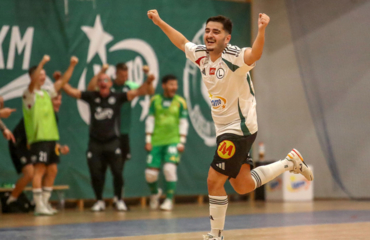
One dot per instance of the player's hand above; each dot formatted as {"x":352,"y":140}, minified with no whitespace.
{"x":154,"y":16}
{"x":104,"y":68}
{"x":57,"y":75}
{"x":46,"y":58}
{"x":64,"y":149}
{"x":146,"y":69}
{"x":8,"y":135}
{"x":150,"y":78}
{"x":148,"y":147}
{"x":74,"y":60}
{"x":180,"y":147}
{"x":6,"y":112}
{"x":263,"y":21}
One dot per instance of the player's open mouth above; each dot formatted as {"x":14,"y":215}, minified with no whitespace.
{"x":209,"y":41}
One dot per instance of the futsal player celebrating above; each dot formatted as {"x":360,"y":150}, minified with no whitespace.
{"x":225,"y":72}
{"x":166,"y":131}
{"x":21,"y":157}
{"x":41,"y":125}
{"x":104,"y":144}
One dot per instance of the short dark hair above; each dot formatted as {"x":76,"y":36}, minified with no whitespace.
{"x":226,"y":22}
{"x":32,"y":70}
{"x":168,"y":77}
{"x":121,"y":66}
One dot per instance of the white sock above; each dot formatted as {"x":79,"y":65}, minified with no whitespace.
{"x":46,"y":194}
{"x":217,"y":209}
{"x":37,"y":196}
{"x":265,"y":174}
{"x":11,"y":199}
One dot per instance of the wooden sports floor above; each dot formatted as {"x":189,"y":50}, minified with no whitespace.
{"x":319,"y":220}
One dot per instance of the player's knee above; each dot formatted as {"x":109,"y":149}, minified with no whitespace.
{"x":243,"y":189}
{"x":28,"y":172}
{"x":213,"y":183}
{"x":52,"y":170}
{"x":151,"y":175}
{"x":170,"y":172}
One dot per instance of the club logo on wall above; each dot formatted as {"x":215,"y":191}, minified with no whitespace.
{"x":145,"y":54}
{"x":197,"y":98}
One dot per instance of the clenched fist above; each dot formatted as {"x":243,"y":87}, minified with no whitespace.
{"x":46,"y":58}
{"x":263,"y":21}
{"x":74,"y":60}
{"x":57,"y":75}
{"x":154,"y":16}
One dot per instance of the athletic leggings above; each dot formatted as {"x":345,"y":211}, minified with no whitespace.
{"x":99,"y":157}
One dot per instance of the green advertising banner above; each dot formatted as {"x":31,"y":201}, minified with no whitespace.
{"x":112,"y":31}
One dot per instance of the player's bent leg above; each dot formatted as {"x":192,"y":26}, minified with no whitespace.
{"x":151,"y":177}
{"x":170,"y":174}
{"x":218,"y":203}
{"x":244,"y":182}
{"x":22,"y":182}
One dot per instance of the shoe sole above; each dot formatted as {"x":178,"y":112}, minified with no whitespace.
{"x":301,"y":158}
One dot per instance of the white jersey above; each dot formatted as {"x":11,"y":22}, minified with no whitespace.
{"x":230,"y":88}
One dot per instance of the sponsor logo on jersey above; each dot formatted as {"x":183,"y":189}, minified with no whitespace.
{"x":103,"y":113}
{"x":218,"y":102}
{"x":212,"y":71}
{"x":226,"y":149}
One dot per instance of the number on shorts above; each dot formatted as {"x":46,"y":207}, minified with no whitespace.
{"x":43,"y":157}
{"x":149,"y":159}
{"x":172,"y":150}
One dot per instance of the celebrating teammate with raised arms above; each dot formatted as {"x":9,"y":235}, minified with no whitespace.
{"x":225,"y":72}
{"x":41,"y":128}
{"x":104,"y":144}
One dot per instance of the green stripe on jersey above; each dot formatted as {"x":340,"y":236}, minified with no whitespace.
{"x":230,"y":65}
{"x":244,"y":127}
{"x":249,"y":82}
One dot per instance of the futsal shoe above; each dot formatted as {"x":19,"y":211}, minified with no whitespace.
{"x":42,"y":210}
{"x":120,"y":205}
{"x":167,"y":205}
{"x":51,"y":209}
{"x":98,"y":206}
{"x":299,"y":166}
{"x":154,"y":200}
{"x":211,"y":237}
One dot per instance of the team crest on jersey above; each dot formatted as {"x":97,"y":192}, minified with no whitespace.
{"x":226,"y":149}
{"x":220,"y":73}
{"x":218,"y":102}
{"x":112,"y":100}
{"x":102,"y":114}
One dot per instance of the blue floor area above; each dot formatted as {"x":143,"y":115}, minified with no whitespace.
{"x":180,"y":225}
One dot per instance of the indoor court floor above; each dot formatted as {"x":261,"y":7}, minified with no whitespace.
{"x":319,"y":220}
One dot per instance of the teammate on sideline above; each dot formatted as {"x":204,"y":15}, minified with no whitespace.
{"x":104,"y":144}
{"x":21,"y":158}
{"x":224,"y":69}
{"x":166,"y":131}
{"x":42,"y":129}
{"x":122,"y":84}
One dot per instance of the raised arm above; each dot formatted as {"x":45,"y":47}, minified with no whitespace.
{"x":253,"y":54}
{"x":67,"y":75}
{"x":176,"y":37}
{"x":72,"y":92}
{"x":94,"y":80}
{"x":35,"y":75}
{"x":143,"y":89}
{"x":151,"y":89}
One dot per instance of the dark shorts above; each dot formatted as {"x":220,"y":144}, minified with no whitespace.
{"x":125,"y":146}
{"x":231,"y":153}
{"x":100,"y":151}
{"x":20,"y":156}
{"x":45,"y":152}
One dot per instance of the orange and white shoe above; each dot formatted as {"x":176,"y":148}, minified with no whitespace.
{"x":299,"y":166}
